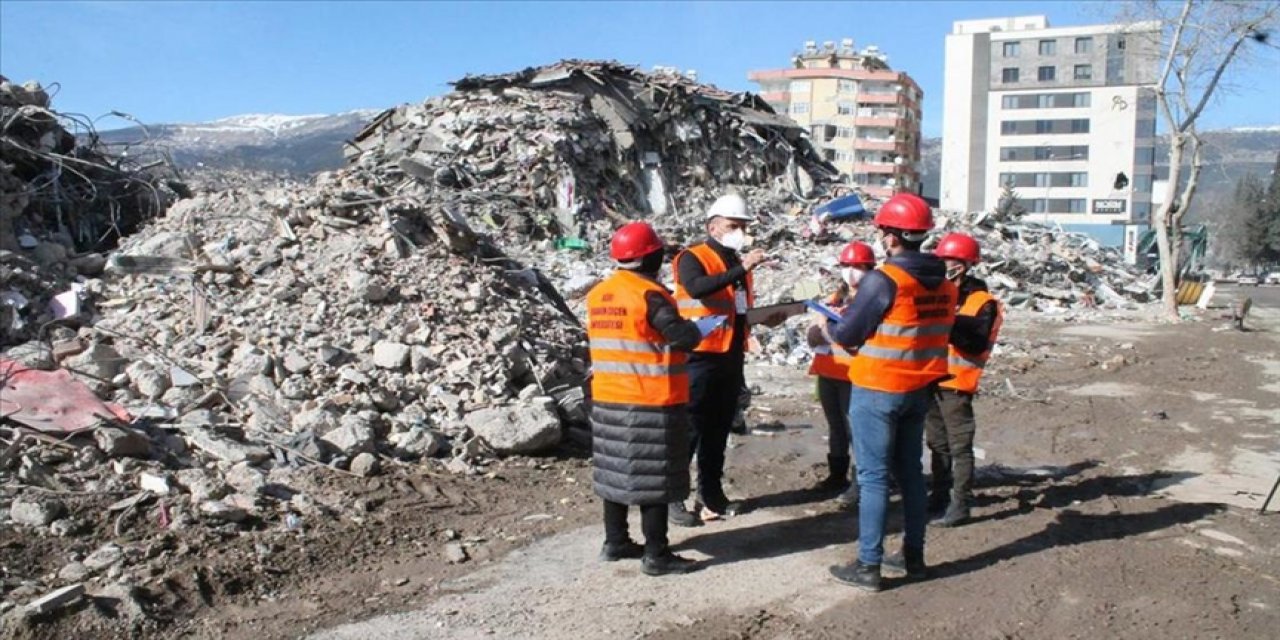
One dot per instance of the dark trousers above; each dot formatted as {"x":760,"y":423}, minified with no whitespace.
{"x":834,"y":397}
{"x":949,"y":428}
{"x":715,"y":381}
{"x":653,"y":523}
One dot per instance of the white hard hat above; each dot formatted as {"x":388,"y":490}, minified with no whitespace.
{"x":731,"y":206}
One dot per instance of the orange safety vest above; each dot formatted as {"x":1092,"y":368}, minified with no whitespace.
{"x":831,"y":360}
{"x":721,"y":303}
{"x":631,"y":363}
{"x":966,"y":369}
{"x":908,"y":351}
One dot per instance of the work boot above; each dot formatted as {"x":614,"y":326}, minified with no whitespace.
{"x":678,"y":515}
{"x":957,"y":513}
{"x":862,"y":576}
{"x":909,"y":563}
{"x":851,"y":496}
{"x":667,"y":563}
{"x":837,"y":476}
{"x":627,"y":549}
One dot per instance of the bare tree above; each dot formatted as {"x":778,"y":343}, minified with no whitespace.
{"x":1201,"y":42}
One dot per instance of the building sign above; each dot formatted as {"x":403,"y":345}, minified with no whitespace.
{"x":1130,"y":243}
{"x":1109,"y":206}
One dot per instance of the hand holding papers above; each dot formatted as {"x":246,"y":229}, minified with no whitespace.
{"x":710,"y":323}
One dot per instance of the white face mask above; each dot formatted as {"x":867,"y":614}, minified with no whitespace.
{"x":953,"y":272}
{"x":735,"y":240}
{"x":852,"y":276}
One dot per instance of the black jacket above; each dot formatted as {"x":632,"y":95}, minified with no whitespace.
{"x":641,"y":454}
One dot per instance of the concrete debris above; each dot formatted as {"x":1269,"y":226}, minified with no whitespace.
{"x":36,"y":512}
{"x":122,"y":442}
{"x":521,"y":428}
{"x":455,"y":553}
{"x":55,"y":600}
{"x":56,"y":220}
{"x":365,"y":465}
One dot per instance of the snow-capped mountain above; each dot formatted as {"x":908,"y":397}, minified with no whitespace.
{"x":298,"y":144}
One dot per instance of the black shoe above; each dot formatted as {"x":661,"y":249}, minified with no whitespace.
{"x":956,"y":515}
{"x":908,"y":564}
{"x":678,"y":515}
{"x":720,"y":504}
{"x":627,"y":550}
{"x":830,"y":484}
{"x":667,"y":563}
{"x":862,"y":576}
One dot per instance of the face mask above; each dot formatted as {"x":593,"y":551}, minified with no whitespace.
{"x":735,"y":240}
{"x":852,"y":276}
{"x":955,"y":271}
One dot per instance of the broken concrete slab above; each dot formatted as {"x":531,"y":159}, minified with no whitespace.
{"x":224,"y":448}
{"x":523,"y":428}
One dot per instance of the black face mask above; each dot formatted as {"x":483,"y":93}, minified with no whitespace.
{"x":651,"y":264}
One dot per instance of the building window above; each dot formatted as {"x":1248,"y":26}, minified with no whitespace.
{"x":1047,"y":153}
{"x":1079,"y":99}
{"x":1084,"y":45}
{"x":1011,"y":49}
{"x":800,"y":87}
{"x":1009,"y":75}
{"x":1079,"y":179}
{"x":846,"y":86}
{"x":799,"y":108}
{"x":1144,"y":156}
{"x":844,"y":108}
{"x":1120,"y":44}
{"x":1048,"y":47}
{"x":1076,"y":205}
{"x":1080,"y":125}
{"x":844,"y":132}
{"x":1045,"y":74}
{"x":1084,"y":72}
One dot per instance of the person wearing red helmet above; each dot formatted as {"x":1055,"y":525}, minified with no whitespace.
{"x":831,"y":365}
{"x":640,"y":426}
{"x":897,"y":325}
{"x":950,"y":425}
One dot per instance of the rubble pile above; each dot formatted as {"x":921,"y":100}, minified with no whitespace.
{"x":1038,"y":267}
{"x":61,"y":202}
{"x":548,"y":151}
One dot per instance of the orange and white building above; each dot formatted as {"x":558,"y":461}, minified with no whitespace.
{"x":863,"y":116}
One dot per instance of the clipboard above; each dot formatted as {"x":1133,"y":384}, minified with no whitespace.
{"x":823,"y":309}
{"x":757,"y":315}
{"x":710,"y":323}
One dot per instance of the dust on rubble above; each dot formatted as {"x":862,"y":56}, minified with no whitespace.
{"x":326,"y":393}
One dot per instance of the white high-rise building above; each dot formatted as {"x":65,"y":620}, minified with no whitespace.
{"x":1066,"y":116}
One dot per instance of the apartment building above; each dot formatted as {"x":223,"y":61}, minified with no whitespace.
{"x":1066,"y":116}
{"x":862,"y":115}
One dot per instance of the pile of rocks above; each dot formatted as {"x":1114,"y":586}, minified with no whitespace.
{"x":548,"y":151}
{"x":61,"y":201}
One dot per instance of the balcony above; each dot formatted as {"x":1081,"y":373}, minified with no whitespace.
{"x":886,"y":120}
{"x":882,"y":98}
{"x":875,"y":167}
{"x":777,"y":96}
{"x":880,"y":144}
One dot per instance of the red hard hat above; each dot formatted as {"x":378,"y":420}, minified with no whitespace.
{"x":857,"y":254}
{"x":958,"y":246}
{"x":633,"y":241}
{"x":905,"y":211}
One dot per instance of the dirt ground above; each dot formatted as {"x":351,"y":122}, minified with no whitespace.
{"x":1122,"y":465}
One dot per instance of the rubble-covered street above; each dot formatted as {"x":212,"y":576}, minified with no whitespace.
{"x":234,"y":408}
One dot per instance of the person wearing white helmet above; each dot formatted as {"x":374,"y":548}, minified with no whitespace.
{"x":713,"y":278}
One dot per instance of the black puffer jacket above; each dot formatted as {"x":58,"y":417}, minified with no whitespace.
{"x":641,"y":454}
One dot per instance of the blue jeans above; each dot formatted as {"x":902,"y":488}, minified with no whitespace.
{"x":887,"y":432}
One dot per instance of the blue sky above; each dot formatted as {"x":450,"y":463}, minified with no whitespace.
{"x":195,"y":61}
